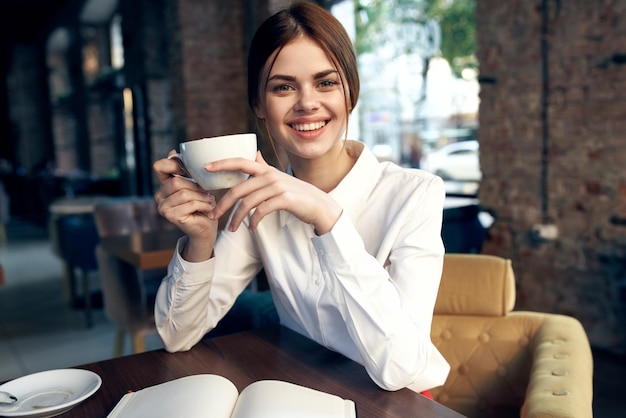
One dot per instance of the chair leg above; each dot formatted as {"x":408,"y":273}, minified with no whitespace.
{"x":87,"y":297}
{"x":118,"y":346}
{"x":69,"y":283}
{"x":139,"y":344}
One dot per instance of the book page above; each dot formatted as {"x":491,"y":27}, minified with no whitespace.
{"x":198,"y":396}
{"x":277,"y":399}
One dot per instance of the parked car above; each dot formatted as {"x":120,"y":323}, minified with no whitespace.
{"x":455,"y":161}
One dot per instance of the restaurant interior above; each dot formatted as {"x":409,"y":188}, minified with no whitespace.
{"x":94,"y":91}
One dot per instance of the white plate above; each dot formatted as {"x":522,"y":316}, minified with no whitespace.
{"x":50,"y":393}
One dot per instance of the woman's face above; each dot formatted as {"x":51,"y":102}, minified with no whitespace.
{"x":303,"y":102}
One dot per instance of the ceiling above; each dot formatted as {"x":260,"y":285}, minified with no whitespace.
{"x":26,"y":20}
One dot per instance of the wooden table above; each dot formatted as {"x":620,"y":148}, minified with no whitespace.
{"x":270,"y":353}
{"x":75,"y":205}
{"x":144,"y":250}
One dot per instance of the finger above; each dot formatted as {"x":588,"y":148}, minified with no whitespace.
{"x":253,"y":168}
{"x":258,"y":201}
{"x":184,"y":213}
{"x":182,"y":205}
{"x":256,"y":169}
{"x":232,"y":164}
{"x":176,"y":195}
{"x":262,"y":195}
{"x":175,"y":184}
{"x":177,"y":190}
{"x":165,"y":168}
{"x":259,"y":158}
{"x":228,"y":200}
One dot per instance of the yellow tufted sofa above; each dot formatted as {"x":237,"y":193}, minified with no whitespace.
{"x":506,"y":363}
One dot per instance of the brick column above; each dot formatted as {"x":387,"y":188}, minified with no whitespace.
{"x":552,"y":123}
{"x":209,"y":65}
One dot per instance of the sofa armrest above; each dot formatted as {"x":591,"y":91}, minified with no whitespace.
{"x":561,"y":377}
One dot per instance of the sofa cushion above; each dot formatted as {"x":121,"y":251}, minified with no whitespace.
{"x":476,"y":284}
{"x":490,"y":360}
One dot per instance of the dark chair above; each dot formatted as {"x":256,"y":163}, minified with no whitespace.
{"x":128,"y":299}
{"x":128,"y":292}
{"x":78,"y":238}
{"x":462,"y":231}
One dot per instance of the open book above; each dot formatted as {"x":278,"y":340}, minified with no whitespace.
{"x":210,"y":395}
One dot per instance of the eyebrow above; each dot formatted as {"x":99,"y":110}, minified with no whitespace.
{"x":316,"y":76}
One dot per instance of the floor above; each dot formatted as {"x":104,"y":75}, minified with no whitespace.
{"x":40,"y":331}
{"x":38,"y":328}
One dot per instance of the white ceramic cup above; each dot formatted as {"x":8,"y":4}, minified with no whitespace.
{"x":193,"y":155}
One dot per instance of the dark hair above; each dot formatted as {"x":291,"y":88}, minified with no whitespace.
{"x":314,"y":22}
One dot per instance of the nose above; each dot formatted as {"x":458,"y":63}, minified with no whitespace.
{"x":308,"y":100}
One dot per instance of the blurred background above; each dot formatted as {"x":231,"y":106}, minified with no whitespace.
{"x":516,"y":104}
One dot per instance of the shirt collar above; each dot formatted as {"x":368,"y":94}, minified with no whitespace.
{"x":355,"y":188}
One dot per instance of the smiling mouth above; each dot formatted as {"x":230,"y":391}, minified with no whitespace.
{"x":307,"y":127}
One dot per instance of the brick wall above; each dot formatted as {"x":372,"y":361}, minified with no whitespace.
{"x":209,"y":81}
{"x":102,"y":125}
{"x":553,"y":151}
{"x":64,"y":132}
{"x":30,"y":124}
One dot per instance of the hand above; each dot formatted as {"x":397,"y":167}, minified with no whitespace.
{"x":269,"y":190}
{"x":187,"y":206}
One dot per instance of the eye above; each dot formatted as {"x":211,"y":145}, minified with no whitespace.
{"x":327,"y":84}
{"x":281,"y":89}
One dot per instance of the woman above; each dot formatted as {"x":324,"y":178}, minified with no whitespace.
{"x":351,"y":247}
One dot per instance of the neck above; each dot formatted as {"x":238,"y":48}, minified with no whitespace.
{"x":325,"y":173}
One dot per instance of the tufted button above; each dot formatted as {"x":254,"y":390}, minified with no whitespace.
{"x":463,"y":369}
{"x":561,"y":356}
{"x":561,"y":392}
{"x":176,"y":271}
{"x":484,"y":338}
{"x":502,"y":371}
{"x":559,"y":372}
{"x":446,"y":335}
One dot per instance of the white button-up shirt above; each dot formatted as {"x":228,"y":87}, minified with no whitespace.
{"x":366,"y":289}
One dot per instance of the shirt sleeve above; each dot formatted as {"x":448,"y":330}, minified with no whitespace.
{"x":387,"y":304}
{"x":194,"y":297}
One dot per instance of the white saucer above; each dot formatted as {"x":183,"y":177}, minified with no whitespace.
{"x":50,"y":393}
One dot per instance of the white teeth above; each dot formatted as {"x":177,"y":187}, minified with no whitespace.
{"x":308,"y":126}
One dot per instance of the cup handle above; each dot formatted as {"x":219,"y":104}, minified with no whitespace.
{"x":185,"y":174}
